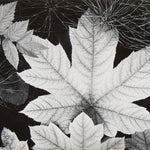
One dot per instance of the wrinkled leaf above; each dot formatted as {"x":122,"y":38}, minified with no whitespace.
{"x":6,"y":16}
{"x":17,"y":30}
{"x":139,"y":141}
{"x":11,"y":52}
{"x":13,"y":90}
{"x":11,"y":142}
{"x":91,"y":84}
{"x":83,"y":136}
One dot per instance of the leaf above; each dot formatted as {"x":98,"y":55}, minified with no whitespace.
{"x":113,"y":144}
{"x":11,"y":142}
{"x":11,"y":52}
{"x":83,"y":136}
{"x":16,"y":31}
{"x":6,"y":16}
{"x":13,"y":89}
{"x":139,"y":141}
{"x":91,"y":84}
{"x":31,"y":45}
{"x":42,"y":109}
{"x":49,"y":137}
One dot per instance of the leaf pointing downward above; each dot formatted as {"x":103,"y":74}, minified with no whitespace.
{"x":91,"y":84}
{"x":11,"y":52}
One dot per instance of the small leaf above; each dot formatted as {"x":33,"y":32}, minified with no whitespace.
{"x":13,"y":90}
{"x":11,"y":52}
{"x":6,"y":16}
{"x":139,"y":141}
{"x":31,"y":45}
{"x":16,"y":31}
{"x":11,"y":142}
{"x":84,"y":135}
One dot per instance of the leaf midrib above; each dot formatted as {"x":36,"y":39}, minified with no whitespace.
{"x":121,"y":84}
{"x":113,"y":111}
{"x":63,"y":78}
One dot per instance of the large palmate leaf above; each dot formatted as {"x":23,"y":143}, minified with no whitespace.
{"x":91,"y":84}
{"x":11,"y":142}
{"x":139,"y":141}
{"x":83,"y":136}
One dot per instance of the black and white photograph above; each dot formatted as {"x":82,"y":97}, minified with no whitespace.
{"x":74,"y":74}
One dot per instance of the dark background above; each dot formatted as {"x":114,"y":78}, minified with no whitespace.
{"x":51,"y":19}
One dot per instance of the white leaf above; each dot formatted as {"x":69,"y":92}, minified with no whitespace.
{"x":11,"y":52}
{"x":11,"y":142}
{"x":113,"y":144}
{"x":130,"y":79}
{"x":6,"y":16}
{"x":84,"y":135}
{"x":50,"y":137}
{"x":92,"y":84}
{"x":49,"y":108}
{"x":17,"y":30}
{"x":93,"y":53}
{"x":139,"y":141}
{"x":126,"y":117}
{"x":32,"y":45}
{"x":49,"y":72}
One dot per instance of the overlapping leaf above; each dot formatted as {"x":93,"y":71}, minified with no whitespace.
{"x":13,"y":89}
{"x":11,"y":52}
{"x":139,"y":141}
{"x":17,"y":32}
{"x":6,"y":16}
{"x":26,"y":42}
{"x":91,"y":84}
{"x":83,"y":136}
{"x":11,"y":142}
